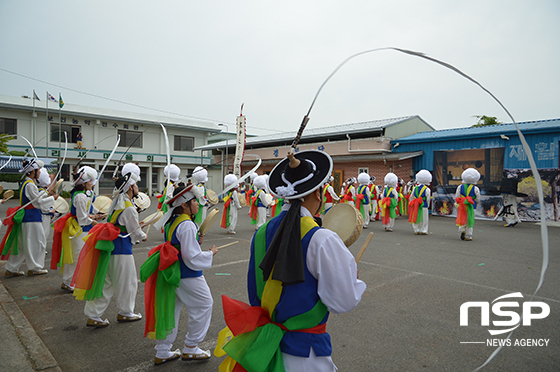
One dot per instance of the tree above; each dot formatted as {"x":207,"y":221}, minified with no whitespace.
{"x":4,"y":144}
{"x":484,"y":120}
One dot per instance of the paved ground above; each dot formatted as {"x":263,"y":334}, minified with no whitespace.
{"x":408,"y":319}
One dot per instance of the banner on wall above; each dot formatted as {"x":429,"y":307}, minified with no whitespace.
{"x":528,"y":207}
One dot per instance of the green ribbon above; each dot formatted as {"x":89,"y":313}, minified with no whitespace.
{"x":14,"y":234}
{"x":96,"y":291}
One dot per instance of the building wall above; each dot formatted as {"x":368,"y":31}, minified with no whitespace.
{"x":151,"y":157}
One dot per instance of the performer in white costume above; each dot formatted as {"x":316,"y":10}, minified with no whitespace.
{"x":121,"y":279}
{"x":43,"y":181}
{"x":32,"y":243}
{"x":466,"y":198}
{"x":389,"y":201}
{"x":363,"y":197}
{"x":231,"y":205}
{"x":329,"y":196}
{"x":172,"y":172}
{"x":315,"y":271}
{"x":193,"y":291}
{"x":260,"y":202}
{"x":85,"y":214}
{"x":199,"y":178}
{"x":422,"y":193}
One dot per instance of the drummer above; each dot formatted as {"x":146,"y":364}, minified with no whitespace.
{"x":32,"y":243}
{"x":329,"y":196}
{"x":316,"y":272}
{"x":82,"y":217}
{"x":199,"y":178}
{"x":172,"y":172}
{"x":120,"y":278}
{"x":43,"y":181}
{"x":231,"y":205}
{"x":259,"y":202}
{"x":191,"y":290}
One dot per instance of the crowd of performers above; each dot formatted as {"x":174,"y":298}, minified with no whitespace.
{"x":292,"y":287}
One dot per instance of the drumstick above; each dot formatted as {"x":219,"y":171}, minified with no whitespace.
{"x":362,"y":250}
{"x":227,"y":245}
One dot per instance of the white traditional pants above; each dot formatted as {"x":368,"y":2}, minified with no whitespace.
{"x":422,"y":227}
{"x":311,"y":364}
{"x":77,"y":244}
{"x":366,"y":214}
{"x":261,"y":219}
{"x":232,"y":218}
{"x":31,"y":248}
{"x":467,"y":230}
{"x":390,"y":224}
{"x":121,"y":280}
{"x":47,"y":226}
{"x":195,"y":294}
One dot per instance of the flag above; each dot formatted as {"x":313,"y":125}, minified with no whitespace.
{"x":60,"y":101}
{"x":51,"y":98}
{"x":35,"y":96}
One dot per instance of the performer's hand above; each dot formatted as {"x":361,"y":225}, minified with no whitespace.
{"x":3,"y":201}
{"x":214,"y":250}
{"x":141,"y":223}
{"x":94,"y":222}
{"x":200,"y":239}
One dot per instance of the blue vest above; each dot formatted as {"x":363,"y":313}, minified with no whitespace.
{"x":185,"y":271}
{"x":122,"y":245}
{"x":472,"y":194}
{"x":362,"y":190}
{"x":295,"y":299}
{"x":259,"y":202}
{"x":420,"y":192}
{"x":73,"y":208}
{"x":32,"y":214}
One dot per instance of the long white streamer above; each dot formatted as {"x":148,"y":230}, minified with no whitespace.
{"x":526,"y":148}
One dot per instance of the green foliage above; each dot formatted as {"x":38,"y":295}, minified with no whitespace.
{"x":9,"y":177}
{"x":17,"y":153}
{"x":4,"y":144}
{"x":484,"y":120}
{"x":65,"y":194}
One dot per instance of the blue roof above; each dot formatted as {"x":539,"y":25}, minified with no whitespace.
{"x":539,"y":126}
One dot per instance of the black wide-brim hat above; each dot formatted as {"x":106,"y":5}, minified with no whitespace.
{"x":314,"y":170}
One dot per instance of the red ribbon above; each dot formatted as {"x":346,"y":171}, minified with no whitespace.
{"x":462,"y":214}
{"x":167,"y":256}
{"x":57,"y":240}
{"x":386,"y":215}
{"x":10,"y":223}
{"x":413,"y":209}
{"x":225,"y":213}
{"x":359,"y":200}
{"x":254,"y":209}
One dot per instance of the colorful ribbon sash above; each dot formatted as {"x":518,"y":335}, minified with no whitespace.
{"x":225,"y":213}
{"x":10,"y":241}
{"x":93,"y":263}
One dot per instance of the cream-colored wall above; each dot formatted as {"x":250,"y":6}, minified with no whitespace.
{"x":409,"y":127}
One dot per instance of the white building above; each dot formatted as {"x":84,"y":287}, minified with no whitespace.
{"x":100,"y":128}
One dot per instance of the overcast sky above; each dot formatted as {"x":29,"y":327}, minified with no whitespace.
{"x":205,"y":58}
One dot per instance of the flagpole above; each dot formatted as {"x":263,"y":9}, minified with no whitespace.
{"x":33,"y":121}
{"x":59,"y":129}
{"x":47,"y":122}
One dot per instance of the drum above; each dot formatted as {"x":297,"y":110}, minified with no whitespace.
{"x":58,"y":187}
{"x":102,"y":203}
{"x":152,"y":218}
{"x":61,"y":205}
{"x":8,"y":194}
{"x":242,"y":200}
{"x":346,"y":221}
{"x":212,"y":197}
{"x":142,"y":202}
{"x":209,"y":221}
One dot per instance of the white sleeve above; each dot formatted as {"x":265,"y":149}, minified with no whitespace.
{"x":82,"y":210}
{"x":45,"y":203}
{"x":192,"y":255}
{"x":32,"y":193}
{"x":477,"y":193}
{"x":263,"y":199}
{"x":169,"y":194}
{"x":333,"y":194}
{"x":334,"y":267}
{"x":235,"y":200}
{"x":129,"y":218}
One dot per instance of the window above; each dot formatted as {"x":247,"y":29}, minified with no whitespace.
{"x":183,"y":143}
{"x":130,"y":139}
{"x":8,"y":126}
{"x":363,"y":170}
{"x":449,"y":166}
{"x":71,"y":130}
